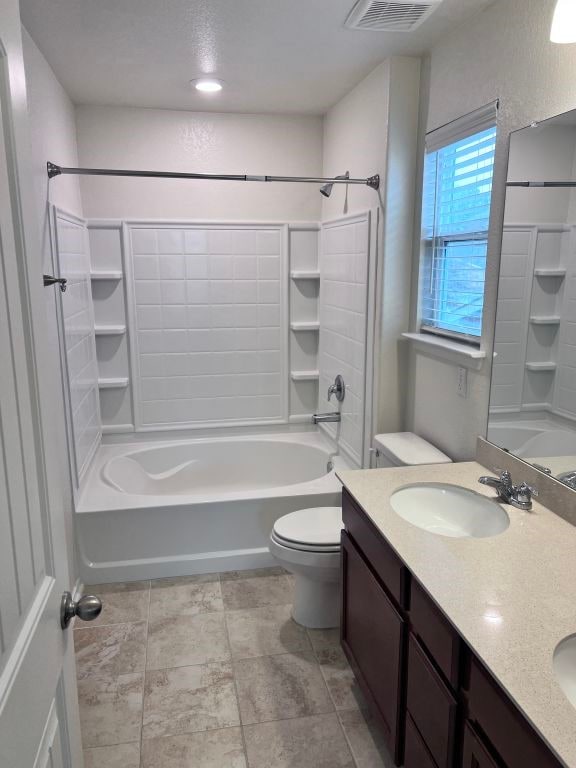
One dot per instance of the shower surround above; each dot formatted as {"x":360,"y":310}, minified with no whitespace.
{"x":211,"y":339}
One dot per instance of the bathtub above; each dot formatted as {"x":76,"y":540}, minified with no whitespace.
{"x":533,"y":439}
{"x":159,"y":509}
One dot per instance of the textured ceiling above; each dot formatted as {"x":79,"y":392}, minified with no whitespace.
{"x":274,"y":56}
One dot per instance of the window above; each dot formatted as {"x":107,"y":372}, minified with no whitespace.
{"x":455,"y":215}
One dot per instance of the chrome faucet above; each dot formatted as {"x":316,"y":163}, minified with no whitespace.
{"x":519,"y":496}
{"x":322,"y":418}
{"x":568,"y":478}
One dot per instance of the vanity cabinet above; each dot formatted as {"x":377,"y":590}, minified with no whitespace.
{"x":373,"y":633}
{"x":436,"y":704}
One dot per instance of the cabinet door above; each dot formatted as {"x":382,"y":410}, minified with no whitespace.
{"x":416,"y":754}
{"x":373,"y":637}
{"x":475,"y":754}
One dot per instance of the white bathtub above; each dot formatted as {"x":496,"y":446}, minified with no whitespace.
{"x":533,"y":439}
{"x":157,"y":509}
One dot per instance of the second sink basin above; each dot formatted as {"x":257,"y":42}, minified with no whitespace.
{"x":448,"y":510}
{"x":564,"y":664}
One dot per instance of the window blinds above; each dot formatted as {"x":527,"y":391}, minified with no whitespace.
{"x":456,"y":210}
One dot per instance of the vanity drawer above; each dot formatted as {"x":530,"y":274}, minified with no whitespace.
{"x":382,"y":558}
{"x":431,"y":706}
{"x":503,"y":725}
{"x":435,"y":633}
{"x":416,"y":754}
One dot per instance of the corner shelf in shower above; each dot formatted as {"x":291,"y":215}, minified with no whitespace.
{"x":557,"y":272}
{"x":305,"y":325}
{"x":305,"y":375}
{"x":305,"y":274}
{"x":106,"y":274}
{"x":119,"y":382}
{"x":109,"y":330}
{"x":541,"y":367}
{"x":545,"y":320}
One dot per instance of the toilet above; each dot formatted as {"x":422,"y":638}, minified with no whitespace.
{"x":307,"y":542}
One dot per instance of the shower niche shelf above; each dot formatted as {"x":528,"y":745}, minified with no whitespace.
{"x":109,"y":330}
{"x":118,"y":382}
{"x":304,"y":336}
{"x":305,"y":325}
{"x":553,"y":272}
{"x":106,"y":274}
{"x":111,"y":327}
{"x":305,"y":375}
{"x":305,"y":274}
{"x":545,"y":320}
{"x":541,"y":367}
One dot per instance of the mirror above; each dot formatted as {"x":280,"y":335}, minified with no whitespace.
{"x":533,"y":392}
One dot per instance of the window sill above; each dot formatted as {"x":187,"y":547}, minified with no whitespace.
{"x":447,"y":349}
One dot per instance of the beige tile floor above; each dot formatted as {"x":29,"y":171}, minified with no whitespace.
{"x":212,"y":672}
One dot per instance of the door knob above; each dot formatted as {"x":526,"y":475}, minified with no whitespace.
{"x":88,"y":608}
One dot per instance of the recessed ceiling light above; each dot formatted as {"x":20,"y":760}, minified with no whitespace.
{"x":564,"y":22}
{"x":207,"y":84}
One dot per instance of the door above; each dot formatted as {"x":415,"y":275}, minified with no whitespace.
{"x":38,"y":707}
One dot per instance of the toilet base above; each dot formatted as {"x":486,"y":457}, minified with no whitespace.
{"x":316,"y":603}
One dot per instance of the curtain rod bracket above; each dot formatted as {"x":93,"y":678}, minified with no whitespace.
{"x":373,"y":181}
{"x":53,"y":170}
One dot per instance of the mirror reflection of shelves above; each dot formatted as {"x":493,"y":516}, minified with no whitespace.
{"x":304,"y":324}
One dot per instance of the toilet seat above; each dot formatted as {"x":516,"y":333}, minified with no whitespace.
{"x":299,"y":547}
{"x":310,"y":530}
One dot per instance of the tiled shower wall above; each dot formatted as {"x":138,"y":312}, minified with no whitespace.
{"x":344,"y":262}
{"x":208,"y":315}
{"x":73,"y":258}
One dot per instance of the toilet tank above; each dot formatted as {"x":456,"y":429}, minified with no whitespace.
{"x":402,"y":449}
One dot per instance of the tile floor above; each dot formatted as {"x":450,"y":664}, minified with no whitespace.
{"x":211,"y":672}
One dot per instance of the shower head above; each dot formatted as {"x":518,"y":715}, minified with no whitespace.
{"x":326,"y":190}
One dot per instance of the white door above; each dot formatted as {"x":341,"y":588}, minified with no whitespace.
{"x":38,"y":707}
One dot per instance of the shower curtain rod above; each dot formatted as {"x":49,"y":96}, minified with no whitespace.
{"x":541,"y":183}
{"x":57,"y":170}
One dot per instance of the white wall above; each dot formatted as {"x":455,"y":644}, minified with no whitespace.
{"x":53,"y":137}
{"x":355,"y":140}
{"x":155,"y":139}
{"x":505,"y":53}
{"x":373,"y":129}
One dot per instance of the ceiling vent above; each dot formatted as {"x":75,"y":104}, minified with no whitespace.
{"x":387,"y":16}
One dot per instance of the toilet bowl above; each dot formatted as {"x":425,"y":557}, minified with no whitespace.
{"x":307,"y":542}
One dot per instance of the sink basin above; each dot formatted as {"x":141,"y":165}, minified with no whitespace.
{"x":448,"y":510}
{"x":564,"y":664}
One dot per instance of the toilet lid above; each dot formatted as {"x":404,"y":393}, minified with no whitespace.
{"x":318,"y":526}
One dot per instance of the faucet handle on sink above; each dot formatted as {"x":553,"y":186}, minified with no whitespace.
{"x":525,"y":493}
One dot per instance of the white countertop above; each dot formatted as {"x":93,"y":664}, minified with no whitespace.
{"x":511,"y":597}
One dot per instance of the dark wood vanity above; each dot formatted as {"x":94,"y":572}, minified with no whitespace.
{"x":436,"y":704}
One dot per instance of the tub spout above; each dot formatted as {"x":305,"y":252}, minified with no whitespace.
{"x":322,"y":418}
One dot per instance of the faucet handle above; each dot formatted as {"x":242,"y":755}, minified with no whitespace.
{"x":525,"y":492}
{"x":504,"y":475}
